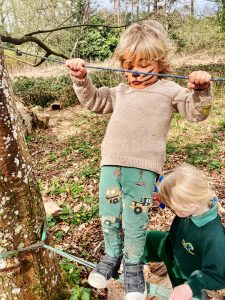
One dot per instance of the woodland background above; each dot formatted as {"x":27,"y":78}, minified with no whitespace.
{"x":66,"y":155}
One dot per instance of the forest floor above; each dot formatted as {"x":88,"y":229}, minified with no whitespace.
{"x":66,"y":160}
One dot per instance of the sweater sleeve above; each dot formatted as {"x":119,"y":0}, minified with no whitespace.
{"x":100,"y":100}
{"x":194,"y":105}
{"x":212,"y":274}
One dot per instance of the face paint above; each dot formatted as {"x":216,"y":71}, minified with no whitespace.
{"x":138,"y":64}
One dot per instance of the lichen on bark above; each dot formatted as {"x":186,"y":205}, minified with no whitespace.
{"x":33,"y":274}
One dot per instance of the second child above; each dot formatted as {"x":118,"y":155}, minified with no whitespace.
{"x":194,"y":248}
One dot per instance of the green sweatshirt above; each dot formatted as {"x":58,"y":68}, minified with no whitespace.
{"x":198,"y":251}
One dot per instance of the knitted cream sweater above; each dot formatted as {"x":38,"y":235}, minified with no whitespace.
{"x":140,"y":120}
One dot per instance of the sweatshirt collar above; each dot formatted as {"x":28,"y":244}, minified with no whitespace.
{"x":149,"y":87}
{"x":205,"y":218}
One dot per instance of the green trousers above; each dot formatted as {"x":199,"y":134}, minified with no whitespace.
{"x":125,"y":198}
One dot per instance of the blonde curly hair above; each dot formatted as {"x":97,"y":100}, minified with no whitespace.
{"x":147,"y":39}
{"x":185,"y":186}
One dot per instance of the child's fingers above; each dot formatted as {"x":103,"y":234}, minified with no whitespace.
{"x":203,"y":77}
{"x":199,"y":80}
{"x":77,"y":67}
{"x":199,"y":77}
{"x":75,"y":64}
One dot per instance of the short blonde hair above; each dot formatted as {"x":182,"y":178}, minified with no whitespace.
{"x":149,"y":40}
{"x":186,"y":185}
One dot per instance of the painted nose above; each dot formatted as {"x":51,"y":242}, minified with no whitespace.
{"x":135,"y":74}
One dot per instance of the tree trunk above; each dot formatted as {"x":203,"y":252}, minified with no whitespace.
{"x":138,"y":7}
{"x":132,"y":8}
{"x":126,"y":9}
{"x":118,"y":20}
{"x":149,"y":2}
{"x":31,"y":275}
{"x":192,"y":8}
{"x":155,"y":7}
{"x":114,"y":7}
{"x":223,"y":15}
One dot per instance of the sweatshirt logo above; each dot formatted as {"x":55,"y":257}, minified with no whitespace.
{"x":188,"y":246}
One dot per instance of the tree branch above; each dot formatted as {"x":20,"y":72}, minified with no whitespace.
{"x":85,"y":25}
{"x":25,"y":39}
{"x":30,"y":38}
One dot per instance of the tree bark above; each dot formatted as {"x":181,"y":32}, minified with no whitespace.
{"x":115,"y":12}
{"x":118,"y":13}
{"x":149,"y":2}
{"x":155,"y":8}
{"x":132,"y":8}
{"x":138,"y":7}
{"x":31,"y":275}
{"x":192,"y":8}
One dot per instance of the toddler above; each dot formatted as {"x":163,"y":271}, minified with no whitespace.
{"x":133,"y":149}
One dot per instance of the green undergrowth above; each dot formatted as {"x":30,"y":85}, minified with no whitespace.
{"x":216,"y":70}
{"x":42,"y":91}
{"x":72,"y":274}
{"x":68,"y":216}
{"x":200,"y":144}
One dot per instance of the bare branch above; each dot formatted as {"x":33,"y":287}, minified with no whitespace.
{"x":30,"y":38}
{"x":85,"y":25}
{"x":72,"y":26}
{"x":25,"y":39}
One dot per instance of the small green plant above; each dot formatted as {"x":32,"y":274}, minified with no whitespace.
{"x":80,"y":293}
{"x":73,"y":276}
{"x":51,"y":221}
{"x":75,"y":189}
{"x":90,"y":172}
{"x":57,"y":188}
{"x":29,"y":138}
{"x":221,"y":127}
{"x":170,"y":148}
{"x":203,"y":154}
{"x":214,"y":165}
{"x":59,"y":235}
{"x":52,"y":156}
{"x":81,"y":216}
{"x":66,"y":151}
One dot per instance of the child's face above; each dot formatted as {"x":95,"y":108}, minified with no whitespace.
{"x":140,"y":81}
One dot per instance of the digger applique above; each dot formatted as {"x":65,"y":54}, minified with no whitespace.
{"x":140,"y":207}
{"x":113,"y":195}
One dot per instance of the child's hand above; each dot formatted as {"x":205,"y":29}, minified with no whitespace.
{"x":199,"y":80}
{"x":77,"y":68}
{"x":181,"y":292}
